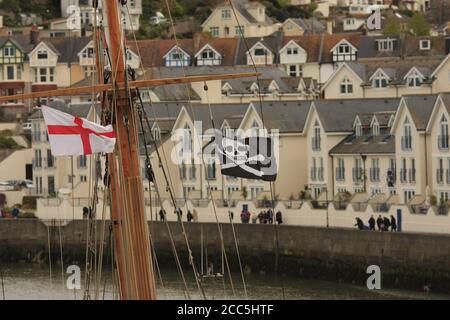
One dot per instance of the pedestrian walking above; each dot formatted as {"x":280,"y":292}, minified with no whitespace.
{"x":380,"y":223}
{"x":162,"y":215}
{"x":393,"y":224}
{"x":386,"y":223}
{"x":189,"y":216}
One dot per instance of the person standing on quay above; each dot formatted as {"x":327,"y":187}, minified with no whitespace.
{"x":279,"y":217}
{"x":189,"y":216}
{"x":372,"y":223}
{"x":380,"y":223}
{"x":195,"y":215}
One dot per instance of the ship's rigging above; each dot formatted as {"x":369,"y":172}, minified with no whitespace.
{"x":122,"y":105}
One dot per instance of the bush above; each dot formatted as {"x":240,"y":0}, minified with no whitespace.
{"x":27,"y":215}
{"x":29,"y":202}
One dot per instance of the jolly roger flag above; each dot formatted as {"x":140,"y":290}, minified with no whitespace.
{"x":249,"y":158}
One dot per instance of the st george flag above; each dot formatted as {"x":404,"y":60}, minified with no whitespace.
{"x":71,"y":136}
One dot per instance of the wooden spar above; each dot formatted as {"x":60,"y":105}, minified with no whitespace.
{"x":121,"y":85}
{"x":115,"y":207}
{"x":140,"y":280}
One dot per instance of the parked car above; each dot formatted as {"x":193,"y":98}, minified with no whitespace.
{"x":6,"y":186}
{"x":29,"y":184}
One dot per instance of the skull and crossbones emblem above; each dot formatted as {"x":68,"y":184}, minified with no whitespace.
{"x":237,"y":154}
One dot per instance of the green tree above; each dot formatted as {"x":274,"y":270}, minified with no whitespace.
{"x":419,"y":26}
{"x":392,"y":27}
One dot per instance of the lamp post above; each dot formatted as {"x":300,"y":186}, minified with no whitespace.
{"x":328,"y":218}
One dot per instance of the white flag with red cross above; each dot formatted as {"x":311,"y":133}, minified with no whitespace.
{"x":71,"y":136}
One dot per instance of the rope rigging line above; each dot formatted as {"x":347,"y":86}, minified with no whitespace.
{"x":272,"y":195}
{"x":209,"y":191}
{"x":168,"y":182}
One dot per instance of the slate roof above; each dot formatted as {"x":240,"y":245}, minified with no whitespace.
{"x":339,"y":115}
{"x":366,"y":144}
{"x":78,"y":110}
{"x":310,"y":26}
{"x":420,"y":107}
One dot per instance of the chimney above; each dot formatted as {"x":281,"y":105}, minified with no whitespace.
{"x":198,"y":36}
{"x":330,"y":26}
{"x":34,"y":35}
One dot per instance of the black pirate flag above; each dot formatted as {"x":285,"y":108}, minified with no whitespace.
{"x":249,"y":158}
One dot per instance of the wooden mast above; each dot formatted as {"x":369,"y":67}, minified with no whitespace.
{"x":140,"y":278}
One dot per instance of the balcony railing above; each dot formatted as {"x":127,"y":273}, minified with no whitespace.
{"x":443,"y":142}
{"x":315,"y":142}
{"x":407,"y":143}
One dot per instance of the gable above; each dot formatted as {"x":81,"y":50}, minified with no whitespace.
{"x":207,"y":46}
{"x":185,"y":54}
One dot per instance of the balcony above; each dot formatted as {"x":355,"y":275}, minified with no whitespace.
{"x":357,"y":174}
{"x":315,"y":143}
{"x":443,"y":142}
{"x":407,"y":143}
{"x":340,"y":174}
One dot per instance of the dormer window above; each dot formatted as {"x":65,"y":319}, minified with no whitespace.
{"x":9,"y":52}
{"x":259,"y":52}
{"x":42,"y":54}
{"x":425,"y":44}
{"x":359,"y":130}
{"x":208,"y":54}
{"x":292,"y":51}
{"x":386,"y":45}
{"x":380,"y":80}
{"x":414,"y":79}
{"x":344,"y":48}
{"x":376,"y":129}
{"x":88,"y":53}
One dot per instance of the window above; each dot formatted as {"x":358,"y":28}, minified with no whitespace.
{"x":187,"y":139}
{"x":292,"y":51}
{"x":88,"y":53}
{"x":359,"y":130}
{"x":414,"y":79}
{"x":50,"y":159}
{"x":10,"y":72}
{"x":379,"y":80}
{"x":183,"y":170}
{"x":83,"y":178}
{"x":211,"y":170}
{"x":440,"y":171}
{"x":42,"y":54}
{"x":293,"y":71}
{"x":9,"y":52}
{"x":82,"y":161}
{"x":375,"y":170}
{"x":386,"y":45}
{"x":43,"y":75}
{"x":226,"y":31}
{"x":376,"y":129}
{"x":357,"y":170}
{"x":37,"y":159}
{"x":51,"y":185}
{"x":346,"y":86}
{"x":340,"y":170}
{"x":316,"y":137}
{"x":412,"y":171}
{"x":226,"y":14}
{"x":208,"y":54}
{"x":193,"y":170}
{"x":443,"y":139}
{"x":407,"y":137}
{"x":214,"y":31}
{"x":259,"y":52}
{"x":425,"y":44}
{"x":344,"y":48}
{"x":239,"y":31}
